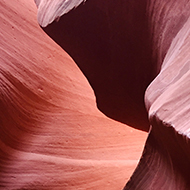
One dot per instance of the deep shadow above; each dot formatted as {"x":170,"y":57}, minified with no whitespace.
{"x":109,"y":41}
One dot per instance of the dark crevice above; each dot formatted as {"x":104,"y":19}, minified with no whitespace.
{"x":110,"y":43}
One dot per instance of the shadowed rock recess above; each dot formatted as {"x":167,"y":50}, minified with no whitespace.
{"x":52,"y":136}
{"x":128,"y":58}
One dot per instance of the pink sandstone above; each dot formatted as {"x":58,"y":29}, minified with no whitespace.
{"x":52,"y":136}
{"x":140,"y":39}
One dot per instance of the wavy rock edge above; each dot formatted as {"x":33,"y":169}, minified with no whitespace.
{"x":165,"y":160}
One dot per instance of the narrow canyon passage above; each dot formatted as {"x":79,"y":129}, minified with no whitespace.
{"x":52,"y":136}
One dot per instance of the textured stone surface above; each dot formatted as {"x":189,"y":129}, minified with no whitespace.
{"x":120,"y":46}
{"x":110,"y":43}
{"x":52,"y":136}
{"x":166,"y":159}
{"x":53,"y":10}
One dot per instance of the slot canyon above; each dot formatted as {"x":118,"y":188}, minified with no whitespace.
{"x":94,"y":95}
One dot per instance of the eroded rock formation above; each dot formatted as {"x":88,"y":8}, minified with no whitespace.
{"x":52,"y":136}
{"x":121,"y":46}
{"x":104,"y":39}
{"x":165,"y":162}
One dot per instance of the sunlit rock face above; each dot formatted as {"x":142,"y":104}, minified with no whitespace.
{"x":121,"y":46}
{"x":52,"y":136}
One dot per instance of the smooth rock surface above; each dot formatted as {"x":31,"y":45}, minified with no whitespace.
{"x":121,"y":46}
{"x":165,"y":162}
{"x":52,"y":136}
{"x":110,"y":42}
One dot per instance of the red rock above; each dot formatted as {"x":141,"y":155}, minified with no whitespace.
{"x":120,"y":46}
{"x":52,"y":136}
{"x":165,"y":161}
{"x":104,"y":39}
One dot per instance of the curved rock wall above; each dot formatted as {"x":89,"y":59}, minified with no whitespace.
{"x":165,"y":161}
{"x":131,"y":42}
{"x":52,"y":136}
{"x":104,"y":39}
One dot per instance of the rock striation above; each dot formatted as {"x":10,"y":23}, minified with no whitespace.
{"x":52,"y":136}
{"x":105,"y":43}
{"x":121,"y":46}
{"x":165,"y":161}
